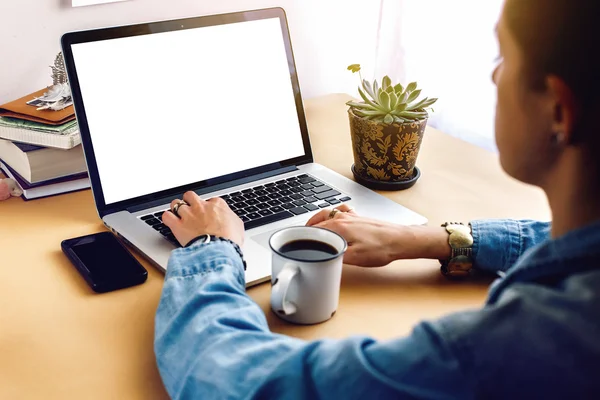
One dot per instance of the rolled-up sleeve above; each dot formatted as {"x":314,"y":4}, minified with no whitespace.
{"x":213,"y":342}
{"x":498,"y":244}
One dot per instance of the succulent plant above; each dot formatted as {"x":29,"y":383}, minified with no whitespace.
{"x":389,"y":103}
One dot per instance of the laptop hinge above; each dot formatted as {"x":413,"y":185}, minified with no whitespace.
{"x":214,"y":188}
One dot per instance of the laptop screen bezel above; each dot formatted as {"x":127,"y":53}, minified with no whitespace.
{"x":73,"y":38}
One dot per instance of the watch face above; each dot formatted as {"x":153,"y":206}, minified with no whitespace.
{"x":458,"y":239}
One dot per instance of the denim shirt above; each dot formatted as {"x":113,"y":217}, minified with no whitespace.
{"x":537,"y":337}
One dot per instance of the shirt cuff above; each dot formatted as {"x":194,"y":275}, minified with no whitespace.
{"x":205,"y":258}
{"x":496,"y":244}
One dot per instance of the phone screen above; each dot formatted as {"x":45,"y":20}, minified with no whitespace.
{"x":106,"y":260}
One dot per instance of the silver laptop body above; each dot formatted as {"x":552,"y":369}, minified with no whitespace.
{"x":210,"y":104}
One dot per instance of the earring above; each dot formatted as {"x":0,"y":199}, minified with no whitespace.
{"x":558,"y":138}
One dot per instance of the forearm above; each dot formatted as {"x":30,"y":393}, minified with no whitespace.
{"x":498,"y":244}
{"x":203,"y":309}
{"x":212,"y":341}
{"x":420,"y":242}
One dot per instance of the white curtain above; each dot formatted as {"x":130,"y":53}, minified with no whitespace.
{"x":449,"y":48}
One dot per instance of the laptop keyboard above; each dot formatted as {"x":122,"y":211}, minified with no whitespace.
{"x":264,"y":204}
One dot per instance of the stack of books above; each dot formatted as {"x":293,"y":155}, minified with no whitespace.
{"x":41,"y":149}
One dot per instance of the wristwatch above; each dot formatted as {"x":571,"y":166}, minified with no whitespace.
{"x":205,"y":239}
{"x":460,"y":239}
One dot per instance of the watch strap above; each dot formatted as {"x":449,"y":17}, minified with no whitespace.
{"x":460,"y":240}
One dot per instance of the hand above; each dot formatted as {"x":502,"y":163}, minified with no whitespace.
{"x":370,"y":242}
{"x":212,"y":217}
{"x":373,"y":243}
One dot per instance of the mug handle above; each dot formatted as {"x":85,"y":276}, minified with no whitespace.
{"x":280,"y":289}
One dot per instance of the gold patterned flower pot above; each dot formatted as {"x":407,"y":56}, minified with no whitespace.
{"x":385,"y":153}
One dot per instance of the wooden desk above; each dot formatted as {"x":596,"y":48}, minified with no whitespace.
{"x":58,"y":340}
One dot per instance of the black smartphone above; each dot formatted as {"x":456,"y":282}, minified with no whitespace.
{"x":104,"y":262}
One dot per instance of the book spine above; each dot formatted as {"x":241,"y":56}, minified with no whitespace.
{"x":32,"y":193}
{"x":64,"y":142}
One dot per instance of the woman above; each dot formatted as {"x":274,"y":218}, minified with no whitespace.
{"x":538,"y":336}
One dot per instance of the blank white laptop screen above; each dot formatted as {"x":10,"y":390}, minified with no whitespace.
{"x":170,"y":109}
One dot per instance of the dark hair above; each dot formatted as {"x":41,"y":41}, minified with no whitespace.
{"x":562,"y":38}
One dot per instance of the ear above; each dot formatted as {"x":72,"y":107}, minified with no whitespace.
{"x":566,"y":108}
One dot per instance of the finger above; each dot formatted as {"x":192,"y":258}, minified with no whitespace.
{"x":192,"y":198}
{"x":170,"y":220}
{"x":174,"y":223}
{"x":331,"y":224}
{"x":185,"y":211}
{"x":173,"y":204}
{"x":338,"y":213}
{"x":319,"y":217}
{"x":345,"y":208}
{"x":325,"y":214}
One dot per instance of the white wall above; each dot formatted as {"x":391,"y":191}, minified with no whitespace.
{"x":327,"y":35}
{"x":449,"y":47}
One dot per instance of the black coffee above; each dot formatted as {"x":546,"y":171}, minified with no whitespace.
{"x":308,"y":250}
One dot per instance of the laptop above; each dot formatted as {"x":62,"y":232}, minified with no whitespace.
{"x":210,"y":104}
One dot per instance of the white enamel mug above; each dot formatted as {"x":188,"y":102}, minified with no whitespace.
{"x":306,"y":292}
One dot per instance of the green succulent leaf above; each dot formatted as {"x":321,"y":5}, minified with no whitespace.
{"x":399,"y":89}
{"x":365,"y":113}
{"x":413,"y":96}
{"x":370,"y":115}
{"x":398,"y":120}
{"x":375,"y":89}
{"x":393,"y":101}
{"x":430,"y":102}
{"x":426,"y":102}
{"x":403,"y":98}
{"x":413,"y":115}
{"x":354,"y":68}
{"x":366,"y":99}
{"x":401,"y":106}
{"x":361,"y":106}
{"x":388,"y":119}
{"x":386,"y":82}
{"x":399,"y":110}
{"x":390,"y":90}
{"x":411,"y":87}
{"x":417,"y":105}
{"x":384,"y":100}
{"x":368,"y":88}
